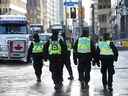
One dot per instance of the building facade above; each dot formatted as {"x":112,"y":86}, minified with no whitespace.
{"x":120,"y":19}
{"x":102,"y":16}
{"x":46,"y":12}
{"x":34,"y":11}
{"x":13,"y":7}
{"x":54,"y":13}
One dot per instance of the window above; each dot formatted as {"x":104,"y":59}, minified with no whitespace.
{"x":99,"y":6}
{"x":13,"y":29}
{"x":5,"y":10}
{"x":0,"y":11}
{"x":103,"y":18}
{"x":4,"y":1}
{"x":103,"y":30}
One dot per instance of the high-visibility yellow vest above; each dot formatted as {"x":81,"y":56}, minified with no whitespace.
{"x":105,"y":48}
{"x":37,"y":47}
{"x":54,"y":47}
{"x":84,"y":45}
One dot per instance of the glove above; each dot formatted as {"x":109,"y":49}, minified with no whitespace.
{"x":28,"y":61}
{"x":45,"y":60}
{"x":93,"y":62}
{"x":115,"y":58}
{"x":98,"y":64}
{"x":75,"y":61}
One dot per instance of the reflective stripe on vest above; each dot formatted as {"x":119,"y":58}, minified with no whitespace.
{"x":105,"y":48}
{"x":54,"y":48}
{"x":84,"y":45}
{"x":37,"y":47}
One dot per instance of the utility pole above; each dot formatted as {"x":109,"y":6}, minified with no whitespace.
{"x":41,"y":12}
{"x":80,"y":17}
{"x":66,"y":25}
{"x":93,"y":19}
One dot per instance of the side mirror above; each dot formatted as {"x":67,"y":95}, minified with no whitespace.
{"x":30,"y":37}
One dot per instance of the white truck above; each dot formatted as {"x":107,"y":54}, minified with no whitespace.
{"x":14,"y":37}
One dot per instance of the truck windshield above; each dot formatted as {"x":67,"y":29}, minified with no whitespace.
{"x":13,"y":29}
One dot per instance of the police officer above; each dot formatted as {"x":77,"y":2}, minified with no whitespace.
{"x":68,"y":61}
{"x":54,"y":49}
{"x":108,"y":53}
{"x":36,"y":52}
{"x":84,"y":51}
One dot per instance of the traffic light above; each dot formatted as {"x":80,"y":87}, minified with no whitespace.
{"x":67,"y":14}
{"x":81,"y":12}
{"x":73,"y":12}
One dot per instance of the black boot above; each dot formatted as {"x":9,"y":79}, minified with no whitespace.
{"x":71,"y":78}
{"x":86,"y":85}
{"x":58,"y":86}
{"x":82,"y":84}
{"x":38,"y":78}
{"x":110,"y":88}
{"x":104,"y":86}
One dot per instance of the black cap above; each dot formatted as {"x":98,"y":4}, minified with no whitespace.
{"x":106,"y":36}
{"x":36,"y":37}
{"x":85,"y":32}
{"x":55,"y":31}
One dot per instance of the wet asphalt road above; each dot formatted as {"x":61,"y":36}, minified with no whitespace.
{"x":18,"y":79}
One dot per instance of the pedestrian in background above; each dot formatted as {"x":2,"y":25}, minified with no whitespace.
{"x":36,"y":52}
{"x":54,"y":50}
{"x":67,"y":59}
{"x":84,"y":51}
{"x":66,"y":55}
{"x":107,"y":53}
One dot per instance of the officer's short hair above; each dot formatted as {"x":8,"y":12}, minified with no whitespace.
{"x":106,"y":36}
{"x":36,"y":37}
{"x":85,"y":32}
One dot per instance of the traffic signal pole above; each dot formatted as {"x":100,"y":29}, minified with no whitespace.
{"x":80,"y":18}
{"x":66,"y":25}
{"x":93,"y":20}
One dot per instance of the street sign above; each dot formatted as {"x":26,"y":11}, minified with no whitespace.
{"x":70,"y":3}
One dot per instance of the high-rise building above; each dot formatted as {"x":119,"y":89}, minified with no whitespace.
{"x":35,"y":11}
{"x":103,"y":16}
{"x":120,"y":20}
{"x":13,"y":7}
{"x":46,"y":12}
{"x":53,"y":12}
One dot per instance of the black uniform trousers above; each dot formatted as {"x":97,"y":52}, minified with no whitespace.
{"x":84,"y":68}
{"x":67,"y":63}
{"x":107,"y":69}
{"x":37,"y":64}
{"x":56,"y":68}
